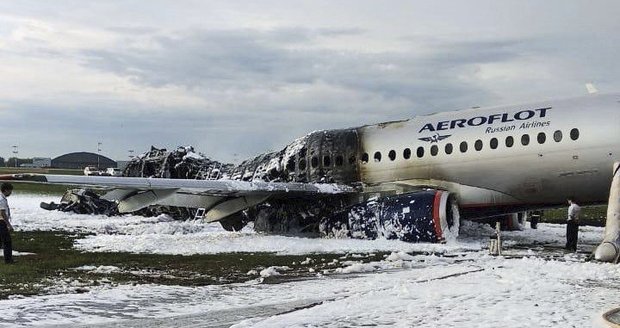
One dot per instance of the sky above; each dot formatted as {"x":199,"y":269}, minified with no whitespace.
{"x":239,"y":78}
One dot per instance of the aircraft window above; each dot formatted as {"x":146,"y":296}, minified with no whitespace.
{"x":542,"y":137}
{"x":493,"y":143}
{"x":478,"y":145}
{"x":302,"y":164}
{"x":327,"y":161}
{"x":525,"y":139}
{"x":392,"y":155}
{"x":339,"y":160}
{"x":365,"y":158}
{"x":352,"y":159}
{"x":434,"y":150}
{"x":314,"y":161}
{"x":407,"y":153}
{"x":378,"y":156}
{"x":463,"y":146}
{"x":290,"y":165}
{"x":557,"y":136}
{"x":448,"y":149}
{"x":574,"y":134}
{"x":420,"y":152}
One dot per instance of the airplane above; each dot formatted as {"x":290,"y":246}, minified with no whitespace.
{"x":411,"y":180}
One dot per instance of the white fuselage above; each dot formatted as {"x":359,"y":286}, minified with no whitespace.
{"x":581,"y":143}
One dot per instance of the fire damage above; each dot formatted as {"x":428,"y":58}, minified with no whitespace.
{"x":319,"y":157}
{"x":181,"y":163}
{"x":330,"y":156}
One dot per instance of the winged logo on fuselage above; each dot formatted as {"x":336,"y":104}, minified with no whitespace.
{"x":436,"y":138}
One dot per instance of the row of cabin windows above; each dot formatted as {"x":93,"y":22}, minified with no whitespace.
{"x":509,"y":141}
{"x":434,"y":150}
{"x":314,"y":162}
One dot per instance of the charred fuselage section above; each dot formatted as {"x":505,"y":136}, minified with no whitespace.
{"x":182,"y":163}
{"x":320,"y":157}
{"x":328,"y":156}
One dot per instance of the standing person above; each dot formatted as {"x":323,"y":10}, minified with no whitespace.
{"x":534,"y":218}
{"x":6,"y":189}
{"x":572,"y":225}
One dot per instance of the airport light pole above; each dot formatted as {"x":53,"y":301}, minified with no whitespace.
{"x":98,"y":150}
{"x":15,"y":152}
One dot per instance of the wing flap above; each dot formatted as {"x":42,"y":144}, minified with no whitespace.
{"x":232,"y":206}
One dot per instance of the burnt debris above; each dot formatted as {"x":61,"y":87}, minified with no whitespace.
{"x":182,"y":163}
{"x":320,"y":157}
{"x":83,"y":201}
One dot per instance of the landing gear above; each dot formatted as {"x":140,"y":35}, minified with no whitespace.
{"x":609,"y":249}
{"x":234,"y":222}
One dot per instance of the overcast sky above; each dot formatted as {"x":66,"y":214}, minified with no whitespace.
{"x":237,"y":78}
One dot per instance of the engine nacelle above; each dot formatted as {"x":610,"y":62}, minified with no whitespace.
{"x":425,"y":216}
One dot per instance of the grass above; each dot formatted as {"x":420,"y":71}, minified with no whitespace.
{"x":39,"y":188}
{"x":590,"y":215}
{"x":13,"y":170}
{"x":55,"y":261}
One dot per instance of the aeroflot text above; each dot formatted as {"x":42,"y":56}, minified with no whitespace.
{"x":481,"y":120}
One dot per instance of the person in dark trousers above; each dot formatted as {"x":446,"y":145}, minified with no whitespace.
{"x":6,"y":189}
{"x":572,"y":225}
{"x":534,"y":218}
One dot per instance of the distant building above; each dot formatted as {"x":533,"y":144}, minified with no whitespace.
{"x":41,"y":162}
{"x":80,"y":160}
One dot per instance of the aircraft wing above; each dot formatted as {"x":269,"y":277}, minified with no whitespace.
{"x":204,"y":187}
{"x":219,"y":198}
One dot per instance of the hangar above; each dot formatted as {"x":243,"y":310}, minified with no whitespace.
{"x":79,"y":160}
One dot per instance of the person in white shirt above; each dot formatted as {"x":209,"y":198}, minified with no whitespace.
{"x":572,"y":225}
{"x":6,"y":189}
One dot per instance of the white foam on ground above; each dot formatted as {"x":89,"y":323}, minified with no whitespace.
{"x":15,"y":253}
{"x":468,"y":288}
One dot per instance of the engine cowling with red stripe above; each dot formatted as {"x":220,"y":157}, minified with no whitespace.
{"x":424,"y":216}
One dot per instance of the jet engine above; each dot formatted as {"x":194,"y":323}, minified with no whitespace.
{"x":425,"y":216}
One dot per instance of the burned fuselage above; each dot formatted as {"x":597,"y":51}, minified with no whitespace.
{"x":331,"y":156}
{"x":328,"y":156}
{"x":320,"y":157}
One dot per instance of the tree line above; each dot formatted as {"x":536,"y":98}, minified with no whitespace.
{"x":12,"y":161}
